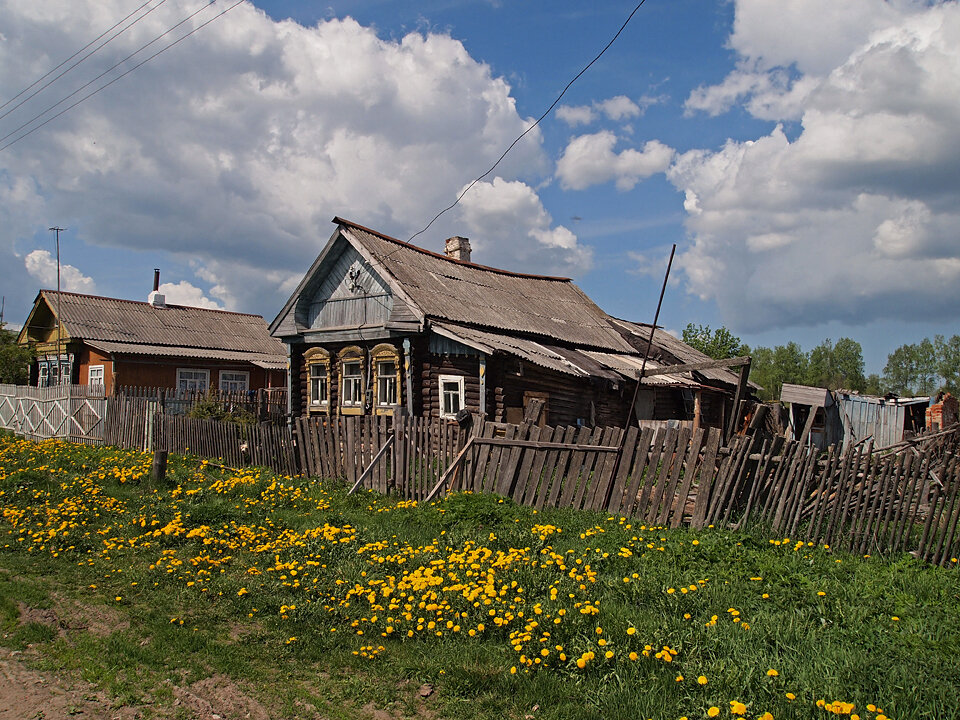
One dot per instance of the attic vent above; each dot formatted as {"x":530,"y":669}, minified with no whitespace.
{"x":458,"y":248}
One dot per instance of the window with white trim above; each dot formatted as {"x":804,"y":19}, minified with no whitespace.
{"x":351,"y":391}
{"x":95,"y":375}
{"x":451,"y":395}
{"x":319,"y":385}
{"x":234,"y":381}
{"x":193,"y":381}
{"x":66,"y":373}
{"x":43,"y":375}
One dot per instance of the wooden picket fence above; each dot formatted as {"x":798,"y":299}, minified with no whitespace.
{"x":402,"y":456}
{"x":863,"y":500}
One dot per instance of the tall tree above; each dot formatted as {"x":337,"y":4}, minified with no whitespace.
{"x":948,"y":361}
{"x":900,"y":372}
{"x":14,"y":359}
{"x":772,"y":368}
{"x":837,"y":366}
{"x":719,"y":343}
{"x":926,"y":359}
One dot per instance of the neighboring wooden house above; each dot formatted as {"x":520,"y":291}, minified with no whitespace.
{"x":113,"y":342}
{"x":377,"y":324}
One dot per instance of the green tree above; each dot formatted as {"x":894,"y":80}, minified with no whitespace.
{"x":912,"y":369}
{"x":719,"y":343}
{"x":14,"y":359}
{"x":926,"y":364}
{"x":836,"y":366}
{"x":948,"y":361}
{"x":873,"y":385}
{"x":772,"y":368}
{"x":900,"y":372}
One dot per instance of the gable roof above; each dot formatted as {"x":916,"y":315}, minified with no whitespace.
{"x":445,"y":289}
{"x":129,"y":326}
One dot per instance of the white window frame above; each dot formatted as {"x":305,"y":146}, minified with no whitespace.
{"x":240,"y":377}
{"x":95,"y":375}
{"x":322,"y":380}
{"x":387,"y":381}
{"x":460,"y":395}
{"x":181,"y":380}
{"x":43,"y":373}
{"x":351,"y":399}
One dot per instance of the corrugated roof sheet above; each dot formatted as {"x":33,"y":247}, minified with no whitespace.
{"x":263,"y":360}
{"x":130,"y":323}
{"x":630,"y":365}
{"x":665,"y":342}
{"x":579,"y":363}
{"x":473,"y":294}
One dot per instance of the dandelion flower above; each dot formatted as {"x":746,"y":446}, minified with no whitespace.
{"x":702,"y":680}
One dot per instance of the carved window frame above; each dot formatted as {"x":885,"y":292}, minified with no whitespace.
{"x":317,"y":357}
{"x":355,"y":406}
{"x":383,"y":353}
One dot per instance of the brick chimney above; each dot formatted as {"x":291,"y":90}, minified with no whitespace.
{"x":458,"y":248}
{"x":156,"y":298}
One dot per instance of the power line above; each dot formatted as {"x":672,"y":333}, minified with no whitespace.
{"x":122,"y":75}
{"x":48,"y":84}
{"x":537,"y":122}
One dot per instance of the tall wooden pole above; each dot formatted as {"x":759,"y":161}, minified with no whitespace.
{"x":58,"y":230}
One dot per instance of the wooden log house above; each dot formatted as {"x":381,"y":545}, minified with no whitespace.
{"x":378,"y":324}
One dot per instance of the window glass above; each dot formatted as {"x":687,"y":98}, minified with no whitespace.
{"x":193,"y":381}
{"x":234,"y":381}
{"x":95,"y":375}
{"x":318,"y":385}
{"x":352,"y":393}
{"x":386,"y":382}
{"x":451,"y":395}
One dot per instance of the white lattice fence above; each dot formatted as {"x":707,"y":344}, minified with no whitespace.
{"x":72,"y":412}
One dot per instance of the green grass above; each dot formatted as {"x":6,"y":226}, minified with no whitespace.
{"x":270,"y":581}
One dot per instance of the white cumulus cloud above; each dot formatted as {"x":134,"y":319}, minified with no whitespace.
{"x":591,"y":160}
{"x":235,"y":149}
{"x":507,"y":217}
{"x":854,"y":216}
{"x":42,"y":266}
{"x":185,"y":293}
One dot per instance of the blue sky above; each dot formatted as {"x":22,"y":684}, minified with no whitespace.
{"x":802,"y":154}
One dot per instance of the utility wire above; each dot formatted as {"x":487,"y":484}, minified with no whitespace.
{"x":122,"y":75}
{"x":49,"y":83}
{"x":537,"y":122}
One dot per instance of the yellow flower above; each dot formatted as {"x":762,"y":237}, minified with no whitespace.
{"x":772,"y":673}
{"x":702,"y":680}
{"x":791,"y":696}
{"x":821,"y":593}
{"x":713,"y":711}
{"x":737,"y":708}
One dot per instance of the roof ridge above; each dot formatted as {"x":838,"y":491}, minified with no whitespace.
{"x":417,"y":248}
{"x":142,"y":302}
